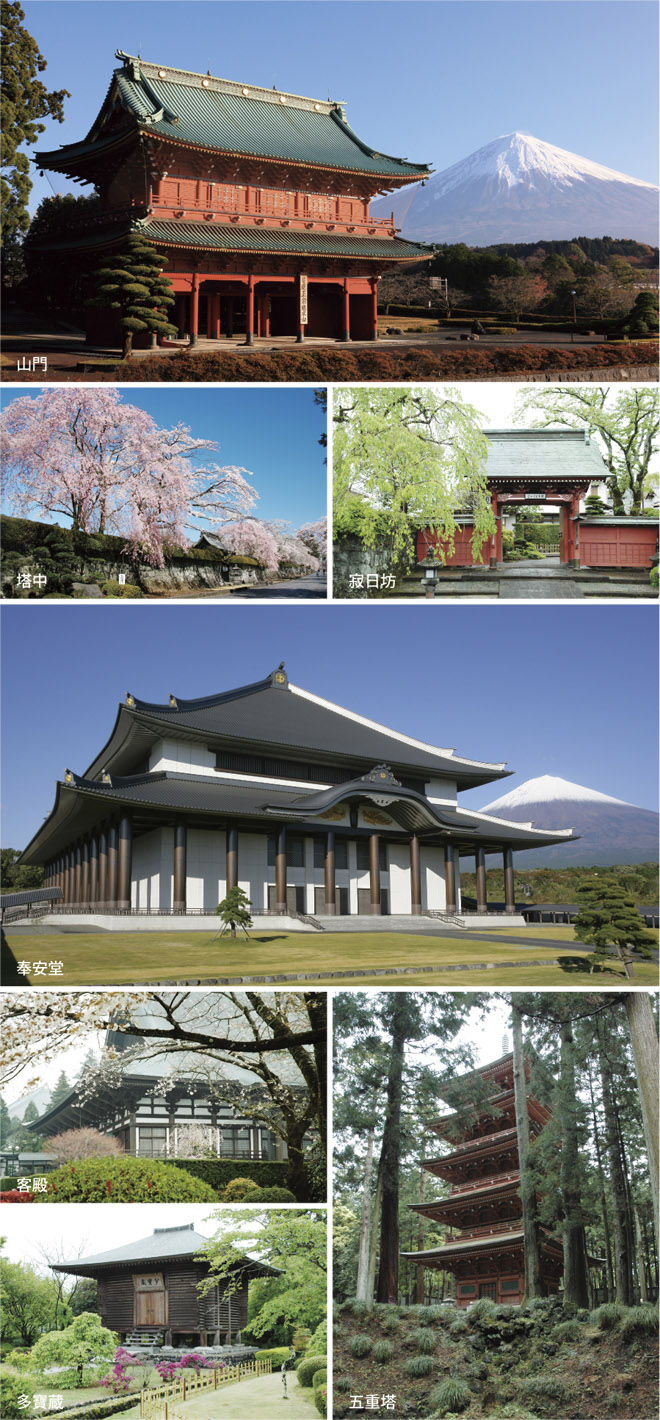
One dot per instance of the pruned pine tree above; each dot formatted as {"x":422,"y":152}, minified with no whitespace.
{"x":130,"y":282}
{"x":609,"y":920}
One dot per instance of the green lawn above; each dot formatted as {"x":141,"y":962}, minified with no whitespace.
{"x":125,"y":958}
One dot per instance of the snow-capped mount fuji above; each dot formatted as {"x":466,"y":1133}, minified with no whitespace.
{"x":520,"y":189}
{"x":611,"y":830}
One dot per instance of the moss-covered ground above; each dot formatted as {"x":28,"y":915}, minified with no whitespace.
{"x":506,"y":1363}
{"x":125,"y":958}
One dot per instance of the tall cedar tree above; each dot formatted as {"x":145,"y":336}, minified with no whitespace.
{"x":23,"y":101}
{"x":644,"y":1037}
{"x":533,"y":1285}
{"x":621,"y":1226}
{"x":609,"y":918}
{"x":131,"y":283}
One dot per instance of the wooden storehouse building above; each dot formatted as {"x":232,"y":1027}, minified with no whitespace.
{"x":484,"y":1248}
{"x":149,"y":1290}
{"x":308,"y":807}
{"x":259,"y":200}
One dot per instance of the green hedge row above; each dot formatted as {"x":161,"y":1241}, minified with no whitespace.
{"x":267,"y":1173}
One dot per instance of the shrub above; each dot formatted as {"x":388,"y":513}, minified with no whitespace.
{"x":360,"y":1345}
{"x":277,"y":1354}
{"x":639,"y":1321}
{"x":12,"y":1390}
{"x":220,"y":1173}
{"x":76,"y":1144}
{"x":459,"y":1326}
{"x":485,"y":1307}
{"x":654,"y":577}
{"x":270,"y":1195}
{"x":452,"y":1394}
{"x":383,"y":1351}
{"x":307,"y":1368}
{"x":608,"y":1315}
{"x":123,"y":1180}
{"x":320,"y":1378}
{"x":425,"y":1341}
{"x":14,"y":1196}
{"x":390,"y":1320}
{"x":318,"y":1343}
{"x":321,"y":1398}
{"x":343,"y":1384}
{"x":566,"y":1331}
{"x":537,"y":1389}
{"x":8,"y":1183}
{"x":238,"y":1188}
{"x":419,"y":1366}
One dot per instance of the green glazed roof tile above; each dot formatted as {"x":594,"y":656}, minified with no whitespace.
{"x":203,"y":111}
{"x":291,"y":240}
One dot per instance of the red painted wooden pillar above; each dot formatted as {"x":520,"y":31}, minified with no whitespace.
{"x":249,"y":320}
{"x":575,"y":551}
{"x":373,"y":282}
{"x":564,"y":533}
{"x":497,"y":544}
{"x":194,"y":308}
{"x":346,"y":319}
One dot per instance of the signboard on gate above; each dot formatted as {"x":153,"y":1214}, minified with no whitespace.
{"x":302,"y":315}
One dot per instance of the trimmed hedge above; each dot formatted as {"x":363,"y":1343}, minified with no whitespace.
{"x":397,"y":364}
{"x":124,"y":1180}
{"x":277,"y":1354}
{"x":307,"y":1368}
{"x":266,"y":1173}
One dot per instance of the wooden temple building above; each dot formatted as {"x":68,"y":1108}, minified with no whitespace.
{"x":148,"y":1290}
{"x":149,"y":1104}
{"x":552,"y":470}
{"x":484,"y":1248}
{"x":308,"y":807}
{"x":258,"y":199}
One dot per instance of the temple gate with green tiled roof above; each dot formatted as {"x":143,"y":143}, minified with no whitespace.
{"x":258,"y":199}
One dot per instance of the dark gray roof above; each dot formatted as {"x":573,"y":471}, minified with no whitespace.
{"x":545,"y":454}
{"x":272,"y":713}
{"x":163,"y":1243}
{"x":28,"y":895}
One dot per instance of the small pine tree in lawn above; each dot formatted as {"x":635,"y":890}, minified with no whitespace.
{"x":235,"y":910}
{"x":609,"y":918}
{"x":130,"y":282}
{"x":594,"y":506}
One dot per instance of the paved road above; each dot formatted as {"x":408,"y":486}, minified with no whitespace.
{"x":305,"y":587}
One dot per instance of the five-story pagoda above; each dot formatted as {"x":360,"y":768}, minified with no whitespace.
{"x":486,"y":1252}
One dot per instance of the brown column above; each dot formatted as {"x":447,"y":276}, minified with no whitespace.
{"x":415,"y":877}
{"x":346,"y":316}
{"x":77,"y":872}
{"x":112,"y":868}
{"x":280,"y":870}
{"x":374,"y":874}
{"x":125,"y":863}
{"x":373,"y":282}
{"x":480,"y":866}
{"x":330,"y":908}
{"x":180,"y":845}
{"x":65,"y":878}
{"x":509,"y":884}
{"x":84,"y":871}
{"x":232,"y":858}
{"x":249,"y":312}
{"x":102,"y":896}
{"x":93,"y":871}
{"x":194,"y":308}
{"x":450,"y":878}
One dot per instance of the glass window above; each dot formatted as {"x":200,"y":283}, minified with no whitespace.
{"x":152,"y":1141}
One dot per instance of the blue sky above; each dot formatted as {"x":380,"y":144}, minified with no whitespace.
{"x":272,"y":432}
{"x":427,"y":80}
{"x":568,"y":690}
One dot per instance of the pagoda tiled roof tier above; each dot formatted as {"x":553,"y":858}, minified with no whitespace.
{"x":442,"y":1209}
{"x":260,"y":241}
{"x":178,"y":107}
{"x":504,"y":1106}
{"x":456,"y":1251}
{"x":474,"y":1150}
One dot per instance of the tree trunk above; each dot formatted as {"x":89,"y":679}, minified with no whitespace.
{"x":603,"y":1199}
{"x":127,"y":350}
{"x":641,"y":1259}
{"x":575,"y":1280}
{"x":644,"y":1039}
{"x":373,"y":1241}
{"x":388,"y":1270}
{"x":419,"y":1289}
{"x":622,"y":1259}
{"x":365,"y":1222}
{"x":533,"y":1284}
